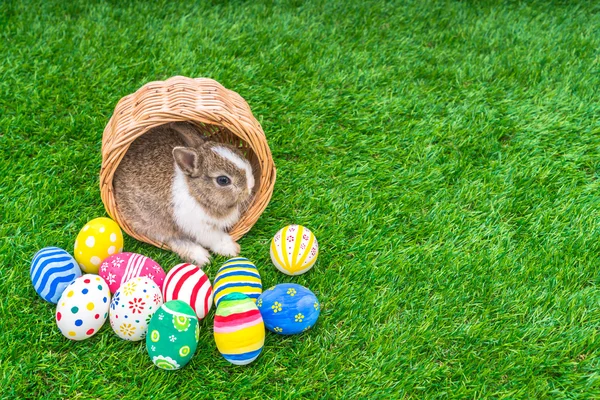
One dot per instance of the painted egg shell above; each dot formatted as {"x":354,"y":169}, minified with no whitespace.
{"x":121,"y":267}
{"x":52,"y":270}
{"x":289,"y":308}
{"x":83,"y":307}
{"x":237,"y":275}
{"x":98,"y":239}
{"x":172,"y":335}
{"x":294,"y":250}
{"x":132,"y":306}
{"x":239,"y":329}
{"x":190,"y":284}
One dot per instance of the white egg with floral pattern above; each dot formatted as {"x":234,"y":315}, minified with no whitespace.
{"x":132,"y":307}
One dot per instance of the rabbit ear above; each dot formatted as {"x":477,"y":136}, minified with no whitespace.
{"x":188,"y":160}
{"x":190,"y":135}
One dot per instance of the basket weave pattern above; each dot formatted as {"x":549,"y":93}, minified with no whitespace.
{"x":217,"y":112}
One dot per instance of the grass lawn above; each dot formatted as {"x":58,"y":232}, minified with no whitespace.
{"x":445,"y":153}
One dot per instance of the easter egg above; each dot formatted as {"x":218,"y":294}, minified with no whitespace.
{"x":190,"y":284}
{"x":239,"y":329}
{"x":52,"y":270}
{"x":172,"y":335}
{"x":121,"y":267}
{"x":98,"y":239}
{"x":237,"y":275}
{"x":83,"y":307}
{"x":289,"y":308}
{"x":132,"y":306}
{"x":294,"y":250}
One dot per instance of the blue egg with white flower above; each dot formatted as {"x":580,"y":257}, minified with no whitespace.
{"x":52,"y":270}
{"x":288,"y":308}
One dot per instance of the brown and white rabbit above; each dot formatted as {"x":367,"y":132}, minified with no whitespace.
{"x":176,"y":187}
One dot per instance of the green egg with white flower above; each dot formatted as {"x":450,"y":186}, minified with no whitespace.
{"x":172,"y":336}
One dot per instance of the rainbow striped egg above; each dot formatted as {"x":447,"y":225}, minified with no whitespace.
{"x":239,"y":329}
{"x":237,"y":275}
{"x":294,"y":250}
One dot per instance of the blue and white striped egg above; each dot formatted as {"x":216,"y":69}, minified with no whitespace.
{"x":52,"y":270}
{"x":238,"y":275}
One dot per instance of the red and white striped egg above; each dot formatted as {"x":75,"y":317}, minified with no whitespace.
{"x":294,"y":250}
{"x":120,"y":268}
{"x":190,"y":284}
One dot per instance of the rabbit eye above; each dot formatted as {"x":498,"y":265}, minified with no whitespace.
{"x":223,"y":180}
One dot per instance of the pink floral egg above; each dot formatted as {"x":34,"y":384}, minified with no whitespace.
{"x":119,"y":268}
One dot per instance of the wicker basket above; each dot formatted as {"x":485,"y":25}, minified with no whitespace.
{"x":217,"y":112}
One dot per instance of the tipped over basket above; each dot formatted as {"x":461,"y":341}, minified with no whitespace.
{"x":217,"y":112}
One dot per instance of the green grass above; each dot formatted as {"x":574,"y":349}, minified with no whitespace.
{"x":446,"y":154}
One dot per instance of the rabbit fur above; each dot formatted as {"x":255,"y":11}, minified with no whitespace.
{"x":177,"y":187}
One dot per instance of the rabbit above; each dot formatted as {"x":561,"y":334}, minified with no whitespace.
{"x":177,"y":187}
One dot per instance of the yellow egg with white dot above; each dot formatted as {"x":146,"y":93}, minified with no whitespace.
{"x":98,"y":239}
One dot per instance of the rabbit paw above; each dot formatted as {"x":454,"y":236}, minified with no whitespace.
{"x":226,"y":247}
{"x":199,"y":256}
{"x":191,"y":252}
